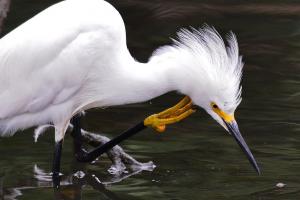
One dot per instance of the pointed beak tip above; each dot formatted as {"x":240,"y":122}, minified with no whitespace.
{"x":257,"y":169}
{"x":234,"y":130}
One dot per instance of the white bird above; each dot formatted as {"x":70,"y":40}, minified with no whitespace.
{"x":73,"y":56}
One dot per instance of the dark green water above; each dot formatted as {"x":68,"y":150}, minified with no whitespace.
{"x":195,"y":159}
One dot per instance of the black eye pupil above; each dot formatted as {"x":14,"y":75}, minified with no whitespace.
{"x":215,"y":106}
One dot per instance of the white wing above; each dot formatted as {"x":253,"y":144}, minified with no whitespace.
{"x":46,"y":60}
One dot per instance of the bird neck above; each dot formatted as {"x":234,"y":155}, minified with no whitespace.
{"x":145,"y":81}
{"x":140,"y":82}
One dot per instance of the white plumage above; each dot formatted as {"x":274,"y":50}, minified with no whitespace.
{"x":73,"y":56}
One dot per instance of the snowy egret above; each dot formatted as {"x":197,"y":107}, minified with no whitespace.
{"x":73,"y":56}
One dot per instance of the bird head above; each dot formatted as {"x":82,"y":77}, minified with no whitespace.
{"x":212,"y":76}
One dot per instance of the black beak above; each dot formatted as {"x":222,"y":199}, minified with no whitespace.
{"x":235,"y":132}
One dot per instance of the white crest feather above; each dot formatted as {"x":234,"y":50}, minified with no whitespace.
{"x":216,"y":66}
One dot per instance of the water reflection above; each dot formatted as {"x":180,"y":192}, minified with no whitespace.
{"x":72,"y":186}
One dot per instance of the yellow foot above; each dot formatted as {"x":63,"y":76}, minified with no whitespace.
{"x":170,"y":116}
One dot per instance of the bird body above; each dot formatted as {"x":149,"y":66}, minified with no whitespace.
{"x":52,"y":64}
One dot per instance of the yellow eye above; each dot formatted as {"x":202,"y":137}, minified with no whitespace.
{"x":227,"y":117}
{"x":215,"y":106}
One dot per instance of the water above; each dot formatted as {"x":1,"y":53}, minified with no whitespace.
{"x":195,"y":159}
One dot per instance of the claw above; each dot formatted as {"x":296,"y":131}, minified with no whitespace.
{"x":186,"y":100}
{"x":161,"y":128}
{"x":180,"y":111}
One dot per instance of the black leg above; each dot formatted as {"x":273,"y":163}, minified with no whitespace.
{"x":56,"y":164}
{"x":79,"y":151}
{"x":83,"y":156}
{"x":76,"y":134}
